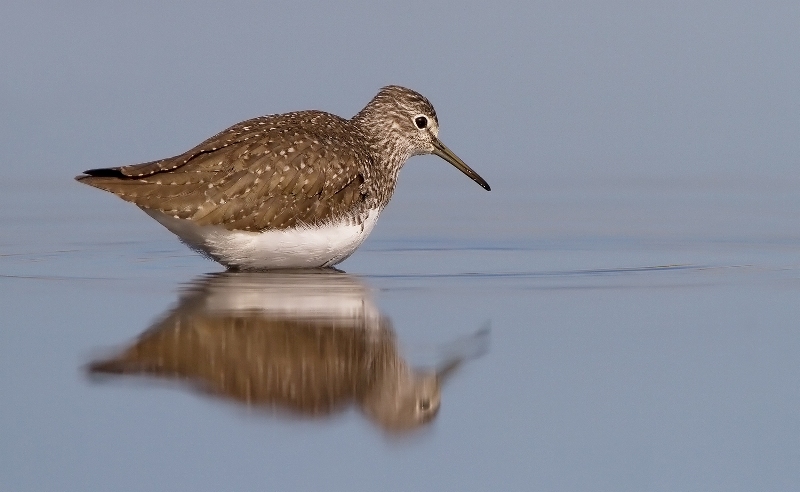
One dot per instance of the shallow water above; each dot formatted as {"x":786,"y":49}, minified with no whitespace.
{"x":642,"y":335}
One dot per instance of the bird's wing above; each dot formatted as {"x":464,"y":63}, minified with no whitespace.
{"x":265,"y":173}
{"x":311,"y":367}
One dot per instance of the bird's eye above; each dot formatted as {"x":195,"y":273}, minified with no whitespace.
{"x":424,"y":404}
{"x":421,"y":122}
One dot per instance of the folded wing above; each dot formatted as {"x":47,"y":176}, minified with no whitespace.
{"x":262,"y":174}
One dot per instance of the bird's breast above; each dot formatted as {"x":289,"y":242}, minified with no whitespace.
{"x":305,"y":246}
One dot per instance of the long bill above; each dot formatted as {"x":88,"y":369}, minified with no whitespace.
{"x":442,"y":151}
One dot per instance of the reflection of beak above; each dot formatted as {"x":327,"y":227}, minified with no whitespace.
{"x":470,"y":347}
{"x":442,"y":151}
{"x":443,"y":373}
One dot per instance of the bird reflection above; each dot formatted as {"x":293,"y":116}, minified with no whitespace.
{"x":310,"y":342}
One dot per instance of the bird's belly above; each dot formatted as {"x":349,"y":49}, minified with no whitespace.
{"x":301,"y":247}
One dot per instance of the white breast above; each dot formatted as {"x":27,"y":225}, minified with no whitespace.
{"x":302,"y":247}
{"x":334,"y":297}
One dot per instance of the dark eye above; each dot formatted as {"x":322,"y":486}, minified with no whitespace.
{"x":421,"y":122}
{"x":424,"y":404}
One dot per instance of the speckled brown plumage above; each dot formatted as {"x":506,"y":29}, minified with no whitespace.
{"x":305,"y":361}
{"x":282,"y":171}
{"x":271,"y":172}
{"x":309,"y":366}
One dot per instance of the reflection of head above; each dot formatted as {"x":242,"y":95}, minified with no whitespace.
{"x":306,"y":343}
{"x":403,"y":399}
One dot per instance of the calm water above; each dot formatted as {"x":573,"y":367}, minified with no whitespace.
{"x":642,"y":335}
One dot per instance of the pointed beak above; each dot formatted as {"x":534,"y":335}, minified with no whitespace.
{"x":442,"y":151}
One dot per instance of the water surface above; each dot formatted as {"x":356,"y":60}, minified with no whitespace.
{"x":642,"y":336}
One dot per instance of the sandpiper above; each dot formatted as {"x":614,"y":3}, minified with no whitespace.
{"x":309,"y":342}
{"x":293,"y":190}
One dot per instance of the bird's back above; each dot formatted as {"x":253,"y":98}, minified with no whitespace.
{"x":268,"y":173}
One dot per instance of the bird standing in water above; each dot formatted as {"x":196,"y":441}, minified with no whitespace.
{"x":294,"y":190}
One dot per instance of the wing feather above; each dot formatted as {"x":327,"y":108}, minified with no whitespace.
{"x":271,"y":172}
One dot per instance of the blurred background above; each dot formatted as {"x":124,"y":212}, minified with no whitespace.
{"x":524,"y":90}
{"x":643,"y":159}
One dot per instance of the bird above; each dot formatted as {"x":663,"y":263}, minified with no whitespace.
{"x":307,"y":343}
{"x":284,"y":191}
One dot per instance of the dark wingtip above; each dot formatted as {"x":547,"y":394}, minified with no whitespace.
{"x":107,"y":172}
{"x":105,"y":367}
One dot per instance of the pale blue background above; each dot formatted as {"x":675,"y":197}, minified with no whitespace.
{"x":617,"y":137}
{"x":523,"y":89}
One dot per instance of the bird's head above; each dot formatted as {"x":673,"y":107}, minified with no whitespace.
{"x":403,"y":123}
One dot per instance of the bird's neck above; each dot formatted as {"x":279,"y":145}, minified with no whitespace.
{"x":382,"y":135}
{"x":387,"y":150}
